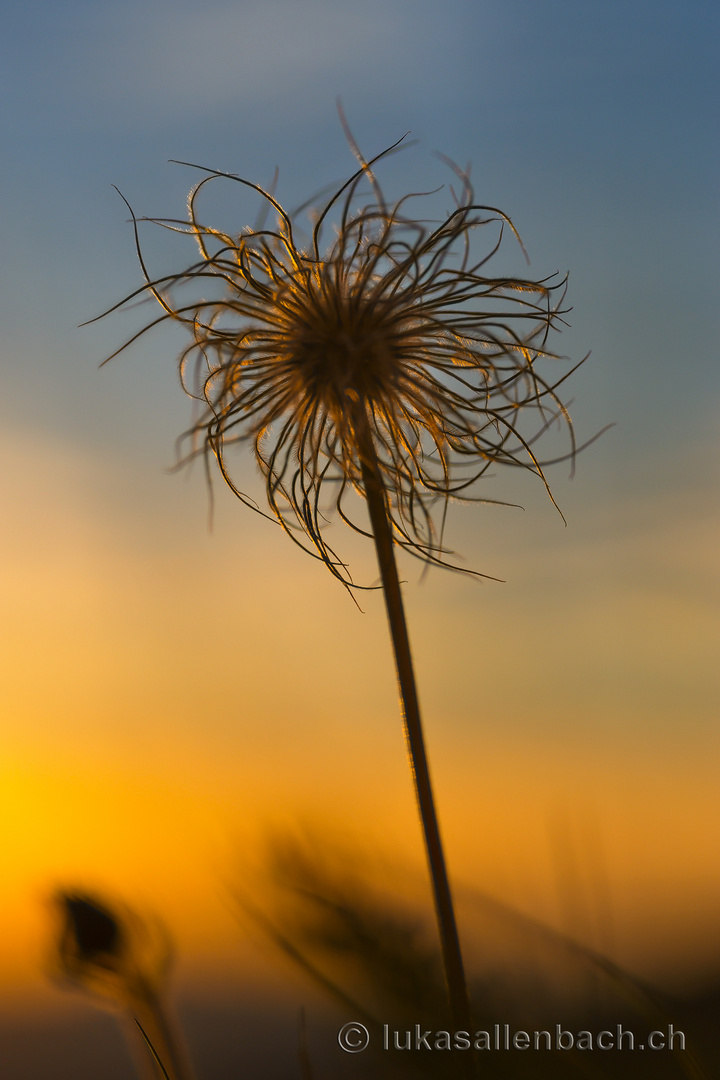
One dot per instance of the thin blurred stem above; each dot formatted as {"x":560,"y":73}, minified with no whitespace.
{"x":161,"y":1042}
{"x":385,"y":547}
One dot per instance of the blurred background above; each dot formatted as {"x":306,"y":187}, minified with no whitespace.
{"x":174,"y":695}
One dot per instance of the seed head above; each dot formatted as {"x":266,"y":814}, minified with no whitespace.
{"x":109,"y":950}
{"x":389,"y":342}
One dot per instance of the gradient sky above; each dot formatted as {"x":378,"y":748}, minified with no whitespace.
{"x":170,"y":693}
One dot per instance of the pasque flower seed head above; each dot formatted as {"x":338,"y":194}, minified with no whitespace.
{"x":392,"y":336}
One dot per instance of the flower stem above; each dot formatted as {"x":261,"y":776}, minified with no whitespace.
{"x":384,"y":545}
{"x":159,"y":1040}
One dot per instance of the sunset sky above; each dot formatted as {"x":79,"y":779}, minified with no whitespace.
{"x":171,"y":694}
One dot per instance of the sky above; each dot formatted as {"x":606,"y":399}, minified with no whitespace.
{"x":174,"y":694}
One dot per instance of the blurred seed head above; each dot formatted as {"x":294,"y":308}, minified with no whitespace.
{"x":91,"y":933}
{"x":108,"y":949}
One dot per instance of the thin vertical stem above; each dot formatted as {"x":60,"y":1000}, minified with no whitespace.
{"x":385,"y":547}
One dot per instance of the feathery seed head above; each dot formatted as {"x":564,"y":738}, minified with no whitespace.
{"x":389,"y":348}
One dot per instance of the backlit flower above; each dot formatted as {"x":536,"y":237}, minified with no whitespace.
{"x":383,"y":362}
{"x":388,"y":346}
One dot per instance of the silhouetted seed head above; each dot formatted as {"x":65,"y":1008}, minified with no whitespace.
{"x":91,"y":931}
{"x":108,"y":949}
{"x":392,"y":332}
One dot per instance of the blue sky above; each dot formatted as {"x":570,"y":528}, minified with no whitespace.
{"x":592,"y":124}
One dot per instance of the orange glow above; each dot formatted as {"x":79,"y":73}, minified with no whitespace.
{"x":153,"y":737}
